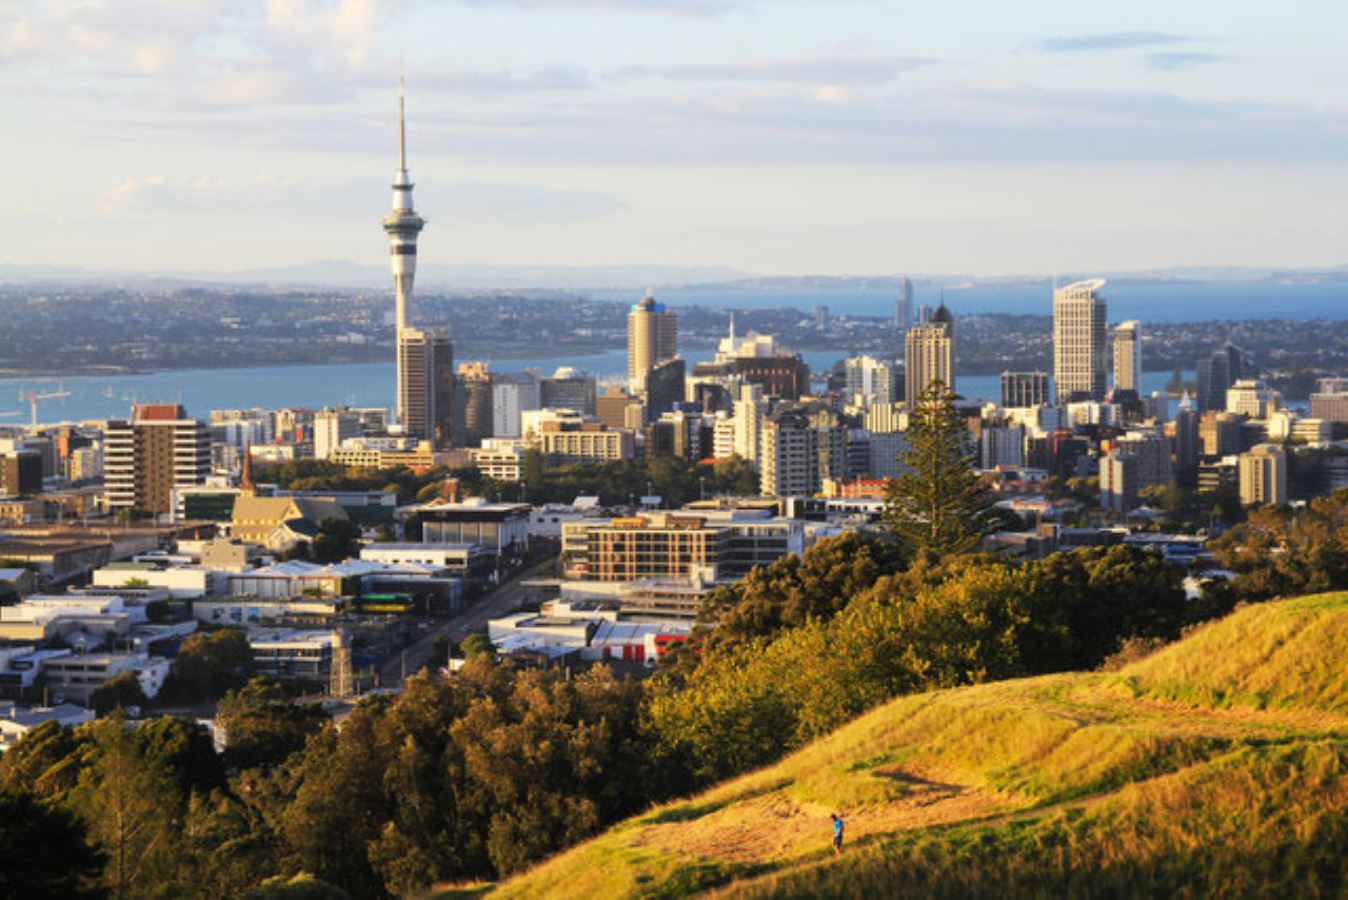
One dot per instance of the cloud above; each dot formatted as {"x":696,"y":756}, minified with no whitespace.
{"x":478,"y":200}
{"x":459,"y":200}
{"x":824,"y":70}
{"x":666,"y":7}
{"x":1170,"y":60}
{"x":1114,"y":40}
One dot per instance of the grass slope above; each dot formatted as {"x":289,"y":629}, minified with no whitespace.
{"x":1218,"y":765}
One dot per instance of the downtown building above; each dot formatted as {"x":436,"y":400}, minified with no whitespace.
{"x":147,"y":458}
{"x":1079,"y":314}
{"x":929,"y":355}
{"x":652,"y":339}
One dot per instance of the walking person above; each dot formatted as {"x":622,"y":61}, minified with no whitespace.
{"x":837,"y":833}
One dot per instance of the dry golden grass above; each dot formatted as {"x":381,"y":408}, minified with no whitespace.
{"x":1176,"y":770}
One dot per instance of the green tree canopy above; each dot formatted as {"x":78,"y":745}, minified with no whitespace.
{"x":120,"y":691}
{"x":938,"y":505}
{"x":44,"y":851}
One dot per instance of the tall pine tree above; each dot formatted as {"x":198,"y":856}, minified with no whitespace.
{"x":938,"y":504}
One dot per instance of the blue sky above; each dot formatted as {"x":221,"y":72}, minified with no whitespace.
{"x":775,"y":136}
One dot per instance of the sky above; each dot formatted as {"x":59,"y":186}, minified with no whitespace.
{"x":771,"y":136}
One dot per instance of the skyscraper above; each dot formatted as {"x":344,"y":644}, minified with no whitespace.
{"x":903,"y":306}
{"x":1216,"y":373}
{"x":146,"y":458}
{"x":1024,"y":389}
{"x":652,"y":338}
{"x":1128,"y":356}
{"x":929,"y":355}
{"x":426,"y":385}
{"x":1079,"y":341}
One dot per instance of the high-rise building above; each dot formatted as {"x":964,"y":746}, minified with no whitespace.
{"x":331,"y":427}
{"x":652,"y":338}
{"x":477,"y":380}
{"x":788,"y":461}
{"x":1128,"y":356}
{"x":929,"y":355}
{"x":664,"y":387}
{"x":1216,"y":373}
{"x":1024,"y":389}
{"x":426,"y":386}
{"x":1263,"y":475}
{"x":146,"y":458}
{"x":871,"y":381}
{"x":568,"y":388}
{"x":1252,"y":397}
{"x":1079,"y":314}
{"x":903,"y":306}
{"x":1330,"y":400}
{"x":511,"y":394}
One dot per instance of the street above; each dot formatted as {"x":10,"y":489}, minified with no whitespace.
{"x":505,"y":599}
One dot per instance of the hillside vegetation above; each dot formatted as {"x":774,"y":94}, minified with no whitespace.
{"x":1217,"y":765}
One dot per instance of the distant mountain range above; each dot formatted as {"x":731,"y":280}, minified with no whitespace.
{"x":353,"y":276}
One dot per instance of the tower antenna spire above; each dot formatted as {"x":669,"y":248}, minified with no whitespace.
{"x":402,"y":126}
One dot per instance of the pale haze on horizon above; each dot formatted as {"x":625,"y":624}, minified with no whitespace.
{"x":771,"y":136}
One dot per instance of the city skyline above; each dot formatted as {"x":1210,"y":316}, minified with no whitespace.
{"x":770,"y":137}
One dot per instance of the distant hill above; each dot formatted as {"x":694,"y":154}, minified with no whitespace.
{"x":1217,"y":766}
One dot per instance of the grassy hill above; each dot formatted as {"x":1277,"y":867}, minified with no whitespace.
{"x":1219,"y":764}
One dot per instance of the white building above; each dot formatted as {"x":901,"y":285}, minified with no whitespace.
{"x":511,"y":395}
{"x":76,"y":677}
{"x":332,"y":427}
{"x":1079,"y":353}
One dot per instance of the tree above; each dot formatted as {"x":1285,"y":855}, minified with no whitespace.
{"x":122,"y":691}
{"x":210,"y":663}
{"x":44,"y":851}
{"x":939,"y":504}
{"x":476,"y":645}
{"x":337,"y":539}
{"x":133,"y":812}
{"x":262,"y":726}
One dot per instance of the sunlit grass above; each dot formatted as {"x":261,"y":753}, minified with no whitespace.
{"x":1218,"y":765}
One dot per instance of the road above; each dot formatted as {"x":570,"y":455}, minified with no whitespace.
{"x":505,"y":599}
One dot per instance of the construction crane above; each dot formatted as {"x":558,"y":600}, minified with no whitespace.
{"x":33,"y":397}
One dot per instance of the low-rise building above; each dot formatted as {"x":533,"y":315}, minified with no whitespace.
{"x":77,"y":676}
{"x":291,"y":653}
{"x":16,"y":722}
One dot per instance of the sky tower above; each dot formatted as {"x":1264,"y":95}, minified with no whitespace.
{"x":402,"y":225}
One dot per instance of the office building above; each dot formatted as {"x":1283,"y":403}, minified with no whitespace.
{"x":1024,"y":389}
{"x":1079,"y":314}
{"x":331,"y":428}
{"x":903,"y":307}
{"x":872,"y":381}
{"x":1128,"y":356}
{"x":1330,"y":400}
{"x":1253,"y":398}
{"x":426,"y":386}
{"x":510,"y":395}
{"x":652,"y":338}
{"x":663,"y":387}
{"x":477,"y":383}
{"x":568,"y":388}
{"x":1219,"y":433}
{"x":1263,"y":475}
{"x":20,"y":473}
{"x":788,"y":460}
{"x":1216,"y":373}
{"x":146,"y":458}
{"x":929,"y":355}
